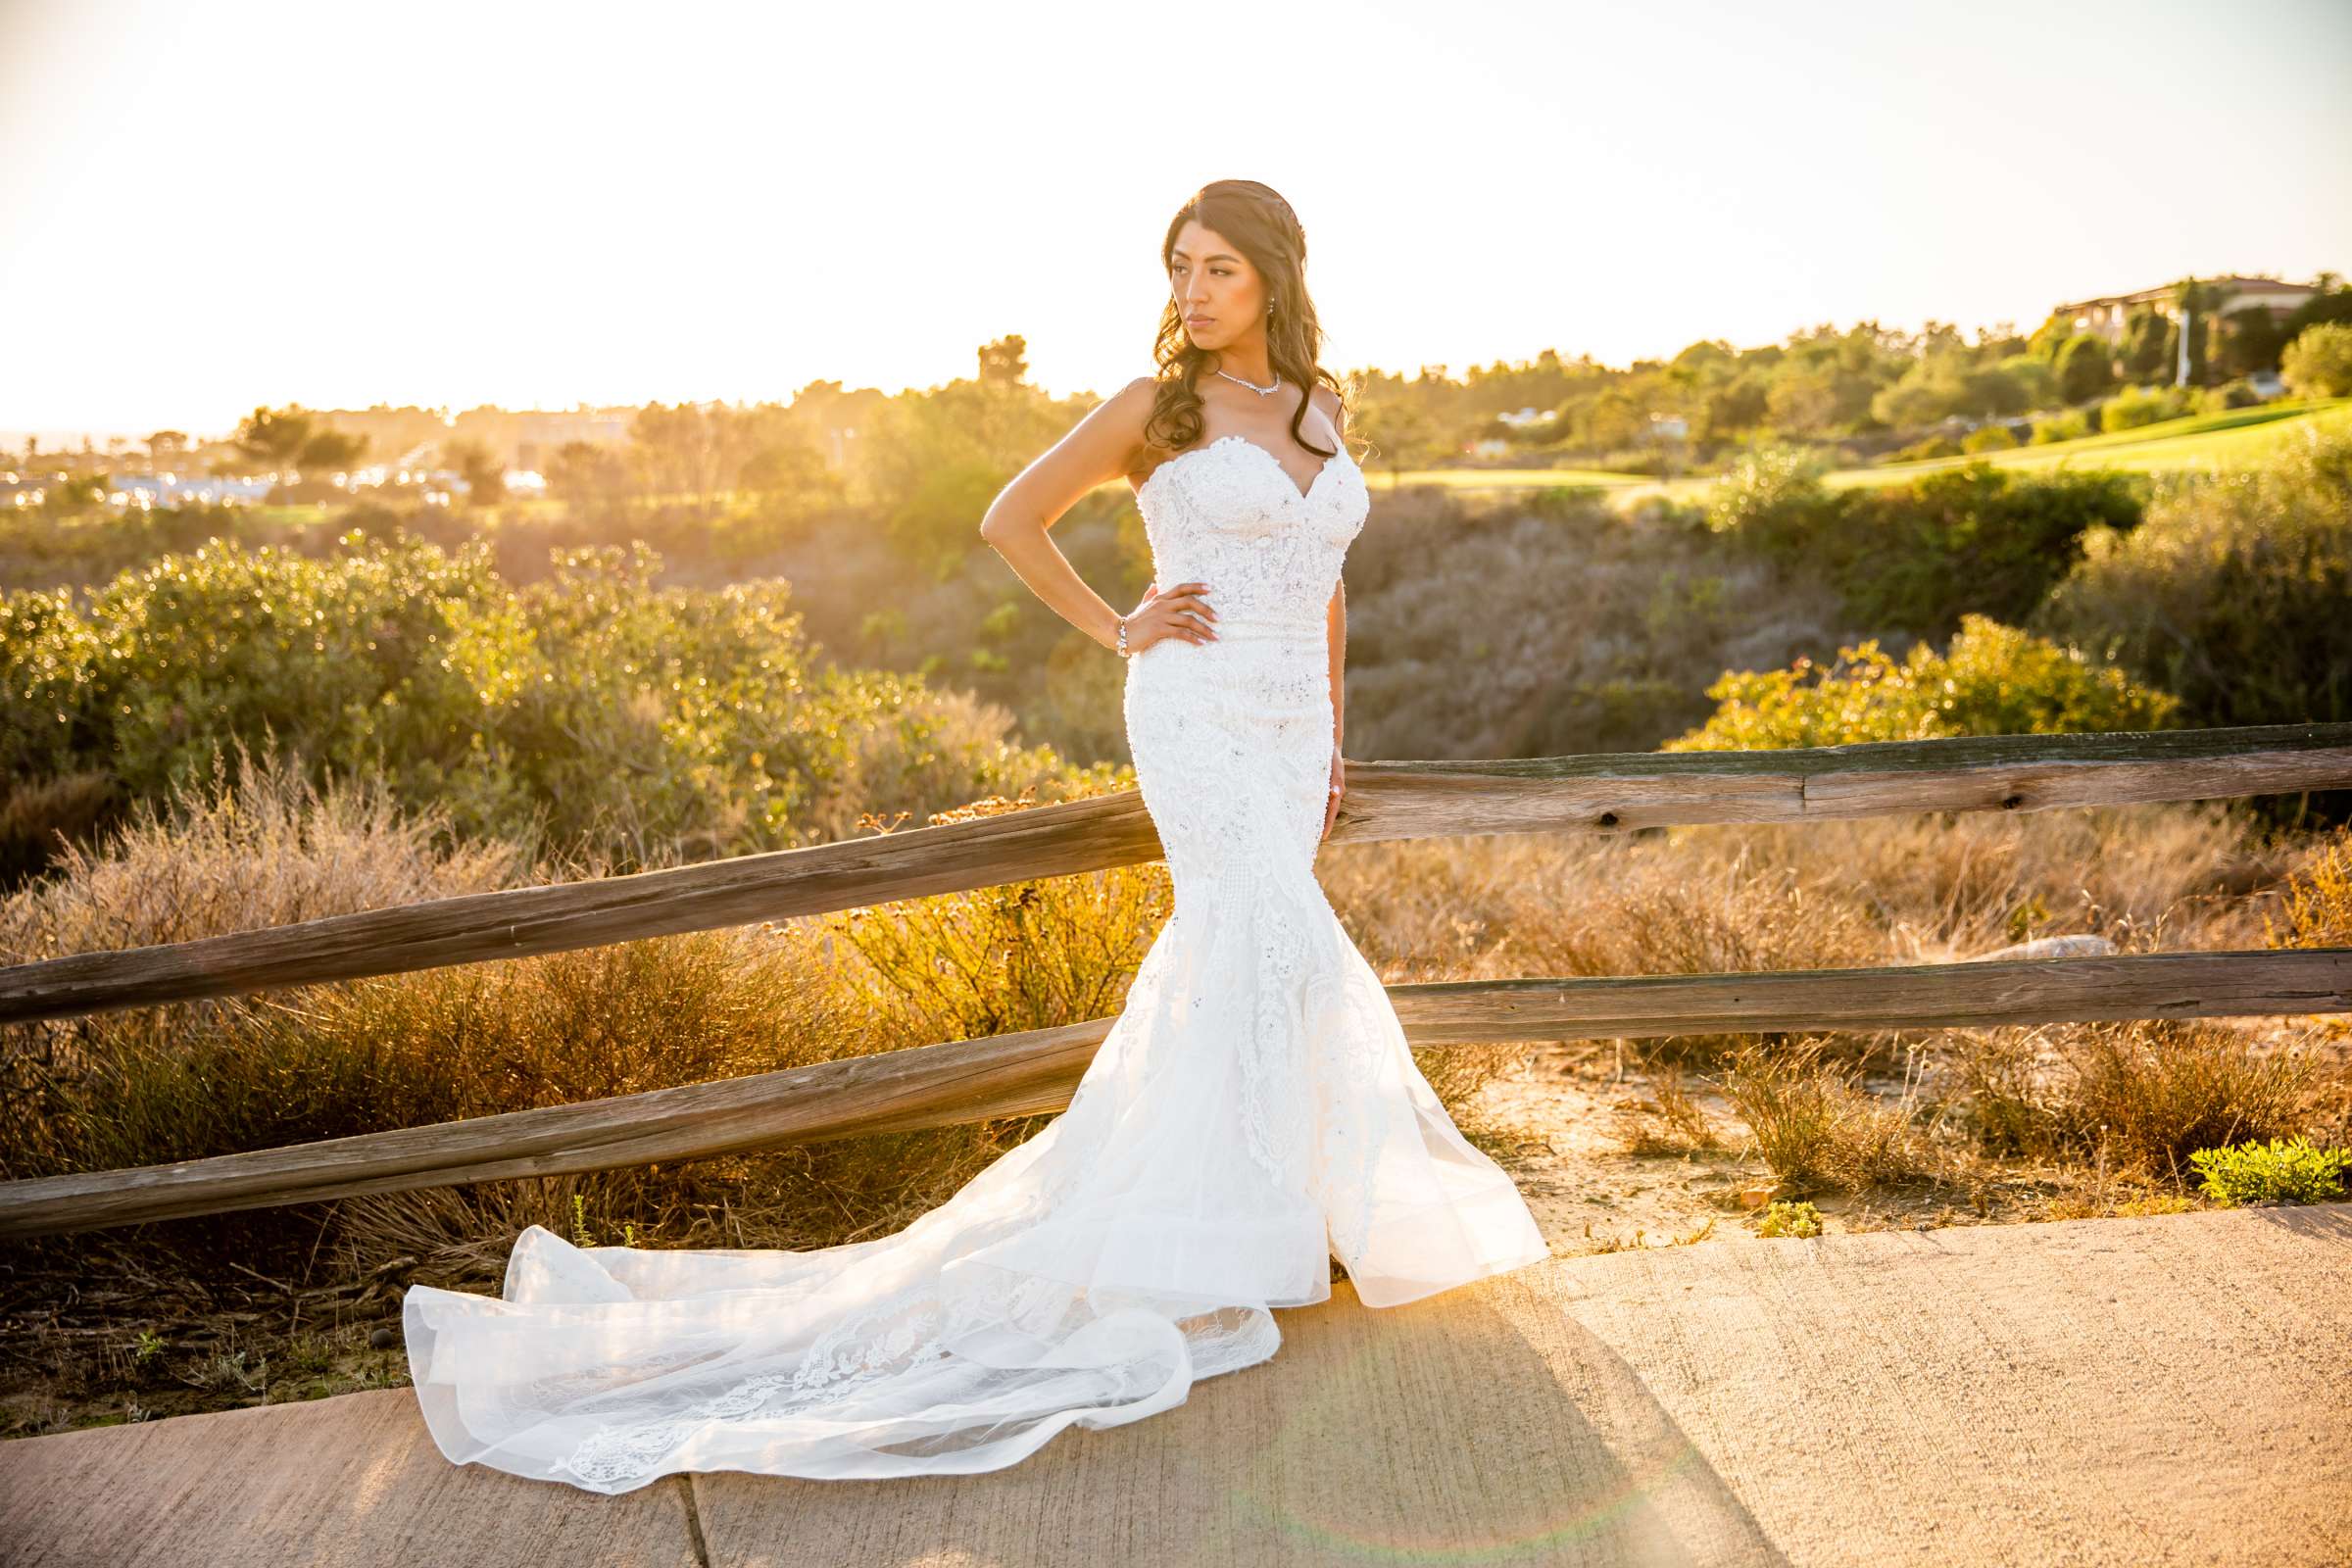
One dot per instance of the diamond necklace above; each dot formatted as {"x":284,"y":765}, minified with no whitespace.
{"x":1261,"y":391}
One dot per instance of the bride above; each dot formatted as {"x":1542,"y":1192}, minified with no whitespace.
{"x":1254,"y":1112}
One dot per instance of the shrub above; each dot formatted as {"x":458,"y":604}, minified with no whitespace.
{"x":1024,"y":955}
{"x":1814,"y":1126}
{"x":2086,"y":368}
{"x":2238,"y":394}
{"x":148,"y":1084}
{"x":2135,"y":406}
{"x":590,"y":708}
{"x":2230,"y":593}
{"x":1990,"y":438}
{"x":1996,"y":680}
{"x":1915,"y":557}
{"x":1766,"y":487}
{"x":2069,"y":426}
{"x":1784,"y":1218}
{"x":2318,"y":363}
{"x":2318,"y":899}
{"x":2157,"y":1090}
{"x":2279,"y":1171}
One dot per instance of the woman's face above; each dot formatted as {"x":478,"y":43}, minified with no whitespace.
{"x":1219,"y":296}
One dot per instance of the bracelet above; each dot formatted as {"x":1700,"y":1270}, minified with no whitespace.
{"x":1122,"y":636}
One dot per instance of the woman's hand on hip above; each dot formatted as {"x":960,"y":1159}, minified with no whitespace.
{"x":1182,"y":613}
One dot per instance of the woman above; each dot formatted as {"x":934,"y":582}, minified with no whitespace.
{"x":1254,"y":1113}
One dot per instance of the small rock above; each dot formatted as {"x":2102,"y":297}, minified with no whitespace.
{"x":381,"y":1338}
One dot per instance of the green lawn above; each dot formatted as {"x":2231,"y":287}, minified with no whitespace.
{"x":2205,"y":441}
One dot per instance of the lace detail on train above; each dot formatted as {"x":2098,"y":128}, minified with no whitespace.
{"x":1254,"y":1112}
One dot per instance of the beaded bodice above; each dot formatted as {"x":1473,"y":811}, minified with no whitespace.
{"x":1229,"y":515}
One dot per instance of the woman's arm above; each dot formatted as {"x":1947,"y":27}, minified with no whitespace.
{"x":1095,"y":452}
{"x":1098,"y":450}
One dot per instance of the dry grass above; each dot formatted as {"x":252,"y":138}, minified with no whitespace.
{"x":1671,"y":1121}
{"x":1818,"y":1129}
{"x":2147,"y":1093}
{"x":2063,"y":1119}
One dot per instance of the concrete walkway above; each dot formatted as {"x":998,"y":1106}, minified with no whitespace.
{"x":2174,"y":1390}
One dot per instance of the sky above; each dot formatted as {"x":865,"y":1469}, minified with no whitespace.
{"x":206,"y":209}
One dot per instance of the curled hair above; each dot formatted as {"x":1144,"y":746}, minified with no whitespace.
{"x":1261,"y":226}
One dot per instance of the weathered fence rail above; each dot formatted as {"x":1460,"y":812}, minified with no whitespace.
{"x":1036,"y":1070}
{"x":1614,"y":792}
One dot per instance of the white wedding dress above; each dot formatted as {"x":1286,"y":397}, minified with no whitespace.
{"x":1254,"y":1112}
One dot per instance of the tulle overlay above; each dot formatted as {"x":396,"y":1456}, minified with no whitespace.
{"x":1254,"y":1112}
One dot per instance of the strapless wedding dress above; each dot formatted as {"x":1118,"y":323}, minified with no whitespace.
{"x":1254,"y":1113}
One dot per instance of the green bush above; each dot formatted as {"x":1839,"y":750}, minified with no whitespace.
{"x":2135,"y":406}
{"x":1766,"y":490}
{"x":2318,"y":363}
{"x":2086,"y":368}
{"x":2071,"y":426}
{"x":1785,"y":1218}
{"x":590,"y":708}
{"x":2231,"y":592}
{"x":1916,"y":557}
{"x":2280,"y":1171}
{"x":2238,"y":394}
{"x":1990,"y":438}
{"x":1996,"y":680}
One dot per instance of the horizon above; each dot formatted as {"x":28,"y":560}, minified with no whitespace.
{"x":72,"y":439}
{"x":597,"y":216}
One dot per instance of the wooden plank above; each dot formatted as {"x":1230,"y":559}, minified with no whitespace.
{"x":1607,"y":793}
{"x":1036,"y":1070}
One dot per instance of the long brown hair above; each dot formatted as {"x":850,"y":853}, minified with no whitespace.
{"x":1263,"y":229}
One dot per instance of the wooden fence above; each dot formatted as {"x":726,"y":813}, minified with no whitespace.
{"x":1036,"y":1070}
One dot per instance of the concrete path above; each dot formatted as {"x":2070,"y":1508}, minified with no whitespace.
{"x":2174,"y":1390}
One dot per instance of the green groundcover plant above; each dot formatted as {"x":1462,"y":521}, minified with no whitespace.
{"x":2280,"y":1171}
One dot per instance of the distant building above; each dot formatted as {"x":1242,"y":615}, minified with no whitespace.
{"x":2107,"y":315}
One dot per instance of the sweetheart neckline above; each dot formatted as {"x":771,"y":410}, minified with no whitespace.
{"x":1289,"y":483}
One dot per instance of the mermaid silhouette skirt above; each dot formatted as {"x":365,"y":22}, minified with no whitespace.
{"x":1254,"y":1112}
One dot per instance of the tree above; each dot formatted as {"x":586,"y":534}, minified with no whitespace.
{"x":587,"y":472}
{"x":484,"y":470}
{"x":267,"y":438}
{"x":1005,"y":362}
{"x":332,"y":449}
{"x":2250,"y":341}
{"x":293,"y":438}
{"x":2147,"y":345}
{"x":2086,"y":368}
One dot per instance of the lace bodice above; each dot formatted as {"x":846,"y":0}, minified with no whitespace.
{"x":1229,"y":515}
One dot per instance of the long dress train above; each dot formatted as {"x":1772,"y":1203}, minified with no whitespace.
{"x":1254,"y":1112}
